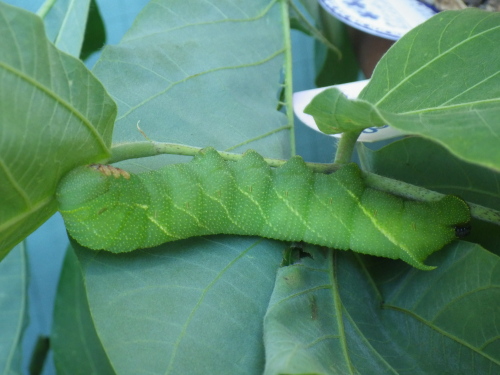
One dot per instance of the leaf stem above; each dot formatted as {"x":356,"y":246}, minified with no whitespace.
{"x":134,"y":150}
{"x":346,"y":146}
{"x":45,"y":8}
{"x":413,"y":192}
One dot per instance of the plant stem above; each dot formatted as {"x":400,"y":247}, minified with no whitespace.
{"x":346,"y":146}
{"x":134,"y":150}
{"x":400,"y":188}
{"x":288,"y":68}
{"x":45,"y":8}
{"x":417,"y":193}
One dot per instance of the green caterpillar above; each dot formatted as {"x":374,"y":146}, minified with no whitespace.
{"x":107,"y":208}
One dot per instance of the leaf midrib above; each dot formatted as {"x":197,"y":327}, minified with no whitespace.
{"x":226,"y":20}
{"x":200,"y":300}
{"x":466,"y":105}
{"x":442,"y":332}
{"x":55,"y":97}
{"x":196,"y":75}
{"x":20,"y":217}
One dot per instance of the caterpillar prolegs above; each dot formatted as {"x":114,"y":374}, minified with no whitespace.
{"x":107,"y":208}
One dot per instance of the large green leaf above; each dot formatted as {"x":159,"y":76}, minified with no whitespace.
{"x":54,"y":115}
{"x":13,"y":309}
{"x":203,"y":74}
{"x":341,"y":313}
{"x":75,"y":344}
{"x":187,"y":307}
{"x":439,"y":81}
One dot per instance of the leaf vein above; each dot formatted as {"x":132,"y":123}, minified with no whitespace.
{"x":427,"y":64}
{"x":54,"y":96}
{"x":173,"y":84}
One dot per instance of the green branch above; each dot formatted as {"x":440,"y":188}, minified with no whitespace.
{"x":417,"y":193}
{"x":345,"y":147}
{"x":45,"y":8}
{"x":288,"y":72}
{"x":134,"y":150}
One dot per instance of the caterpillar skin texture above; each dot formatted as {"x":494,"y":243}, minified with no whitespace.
{"x":107,"y":208}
